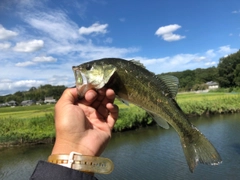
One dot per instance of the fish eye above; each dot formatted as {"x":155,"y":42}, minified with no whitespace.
{"x":88,"y":66}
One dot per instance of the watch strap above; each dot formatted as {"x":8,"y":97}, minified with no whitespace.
{"x":77,"y":161}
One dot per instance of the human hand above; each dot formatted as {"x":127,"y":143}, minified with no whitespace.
{"x":85,"y":125}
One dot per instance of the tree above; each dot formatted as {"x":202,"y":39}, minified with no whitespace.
{"x":2,"y":99}
{"x":32,"y":89}
{"x":237,"y":75}
{"x":226,"y":68}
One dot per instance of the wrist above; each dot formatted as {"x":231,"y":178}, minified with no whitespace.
{"x":66,"y":147}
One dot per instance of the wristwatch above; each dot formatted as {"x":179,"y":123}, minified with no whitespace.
{"x":77,"y":161}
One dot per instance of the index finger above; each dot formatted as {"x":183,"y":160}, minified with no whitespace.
{"x":104,"y":96}
{"x":69,"y":95}
{"x":89,"y":97}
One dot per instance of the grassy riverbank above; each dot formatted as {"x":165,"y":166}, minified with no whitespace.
{"x":28,"y":124}
{"x":35,"y":124}
{"x":209,"y":103}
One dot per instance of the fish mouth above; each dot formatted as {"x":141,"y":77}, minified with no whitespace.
{"x":82,"y":84}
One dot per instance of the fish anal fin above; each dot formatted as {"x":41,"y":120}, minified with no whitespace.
{"x":161,"y":122}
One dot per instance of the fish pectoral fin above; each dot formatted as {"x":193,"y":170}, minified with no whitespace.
{"x":160,"y":121}
{"x":123,"y":101}
{"x":108,"y":72}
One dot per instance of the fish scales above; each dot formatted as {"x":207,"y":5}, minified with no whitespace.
{"x":142,"y":89}
{"x":135,"y":84}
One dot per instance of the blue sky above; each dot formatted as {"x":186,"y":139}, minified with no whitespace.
{"x":40,"y":41}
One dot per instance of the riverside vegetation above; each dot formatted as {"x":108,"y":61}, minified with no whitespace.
{"x":35,"y":124}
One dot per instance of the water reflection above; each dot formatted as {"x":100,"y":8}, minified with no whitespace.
{"x":236,"y":147}
{"x":19,"y":162}
{"x":149,"y":153}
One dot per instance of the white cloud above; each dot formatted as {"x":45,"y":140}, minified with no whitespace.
{"x":95,"y":28}
{"x":59,"y":80}
{"x":200,"y":58}
{"x":44,"y":59}
{"x":180,"y":62}
{"x":181,"y":59}
{"x":166,"y":32}
{"x":212,"y":63}
{"x":108,"y":40}
{"x":27,"y":83}
{"x":55,"y":24}
{"x":24,"y":64}
{"x":60,"y":37}
{"x":70,"y":43}
{"x":173,"y":63}
{"x":226,"y":49}
{"x":210,"y":53}
{"x":91,"y":52}
{"x":7,"y":85}
{"x":167,"y":29}
{"x":5,"y":46}
{"x":150,"y":61}
{"x":6,"y":34}
{"x":29,"y":46}
{"x":36,"y":60}
{"x":172,"y":37}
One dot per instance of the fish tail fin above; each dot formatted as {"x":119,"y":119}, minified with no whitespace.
{"x":197,"y":148}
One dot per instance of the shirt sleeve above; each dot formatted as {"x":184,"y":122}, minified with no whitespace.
{"x":49,"y":171}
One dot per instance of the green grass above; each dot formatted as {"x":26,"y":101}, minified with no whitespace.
{"x":33,"y":123}
{"x":209,"y":103}
{"x":202,"y":96}
{"x":26,"y":124}
{"x":17,"y":131}
{"x":23,"y":112}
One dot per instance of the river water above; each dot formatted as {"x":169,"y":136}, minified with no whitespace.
{"x":148,"y":153}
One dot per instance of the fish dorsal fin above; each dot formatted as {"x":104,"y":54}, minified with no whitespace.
{"x":172,"y":84}
{"x":138,"y":63}
{"x":161,"y":122}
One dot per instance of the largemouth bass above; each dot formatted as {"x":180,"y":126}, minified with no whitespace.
{"x":135,"y":84}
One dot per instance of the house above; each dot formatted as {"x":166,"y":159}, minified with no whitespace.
{"x":50,"y":100}
{"x":212,"y":85}
{"x":27,"y":103}
{"x":12,"y":103}
{"x":4,"y":104}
